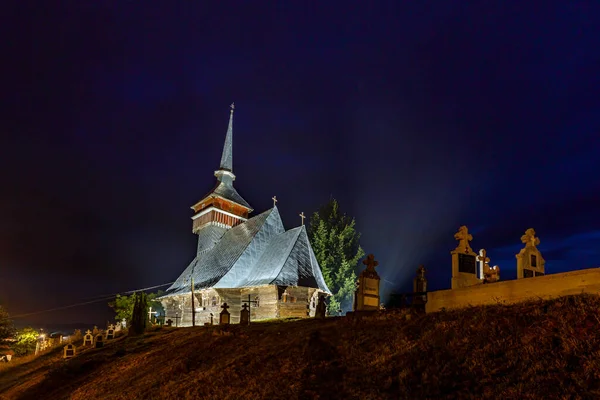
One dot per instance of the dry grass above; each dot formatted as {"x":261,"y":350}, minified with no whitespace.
{"x":533,"y":350}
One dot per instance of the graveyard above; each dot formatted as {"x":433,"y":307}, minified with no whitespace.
{"x":533,"y":349}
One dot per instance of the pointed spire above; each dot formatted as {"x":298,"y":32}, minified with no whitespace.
{"x":227,"y":157}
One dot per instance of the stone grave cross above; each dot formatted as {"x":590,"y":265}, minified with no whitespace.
{"x":370,"y":263}
{"x":483,"y":262}
{"x":150,"y":312}
{"x":529,"y":238}
{"x":464,"y":237}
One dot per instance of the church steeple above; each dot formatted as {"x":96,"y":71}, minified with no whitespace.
{"x":227,"y":156}
{"x":223,"y":206}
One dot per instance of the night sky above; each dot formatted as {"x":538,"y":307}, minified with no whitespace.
{"x":418,"y":117}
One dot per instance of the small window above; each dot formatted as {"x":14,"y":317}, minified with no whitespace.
{"x":533,"y":260}
{"x":214,"y":301}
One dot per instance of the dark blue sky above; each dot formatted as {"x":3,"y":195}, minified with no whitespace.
{"x":418,"y":117}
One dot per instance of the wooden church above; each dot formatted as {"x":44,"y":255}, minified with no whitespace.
{"x":243,"y":259}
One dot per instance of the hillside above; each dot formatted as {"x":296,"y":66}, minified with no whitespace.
{"x":534,"y":350}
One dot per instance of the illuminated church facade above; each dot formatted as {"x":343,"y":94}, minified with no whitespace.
{"x":241,"y":258}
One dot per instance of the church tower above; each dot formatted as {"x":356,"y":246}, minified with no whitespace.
{"x":222,"y":207}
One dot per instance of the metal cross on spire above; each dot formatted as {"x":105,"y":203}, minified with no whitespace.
{"x":232,"y":106}
{"x":274,"y":198}
{"x":302,"y":216}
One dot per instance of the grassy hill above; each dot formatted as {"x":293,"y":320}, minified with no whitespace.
{"x":533,"y":350}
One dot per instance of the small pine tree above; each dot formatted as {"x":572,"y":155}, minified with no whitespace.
{"x":138,"y":317}
{"x":335,"y":242}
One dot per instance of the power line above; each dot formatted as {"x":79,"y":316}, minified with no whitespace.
{"x":97,"y":300}
{"x":131,"y":291}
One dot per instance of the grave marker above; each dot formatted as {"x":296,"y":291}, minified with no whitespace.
{"x":245,"y":315}
{"x":530,"y":262}
{"x":224,"y":316}
{"x":483,"y":262}
{"x":464,"y":270}
{"x":110,"y":332}
{"x":69,"y":351}
{"x":99,"y":341}
{"x":488,"y":274}
{"x":88,"y":339}
{"x":367,"y":293}
{"x":249,"y":304}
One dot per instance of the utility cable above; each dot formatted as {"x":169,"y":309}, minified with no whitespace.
{"x":97,"y":300}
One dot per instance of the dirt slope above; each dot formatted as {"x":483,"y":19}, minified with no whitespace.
{"x":535,"y":350}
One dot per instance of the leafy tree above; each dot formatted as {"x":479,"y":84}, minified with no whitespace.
{"x":6,"y":325}
{"x":26,"y":341}
{"x":139,"y":314}
{"x":123,"y":305}
{"x":335,"y":242}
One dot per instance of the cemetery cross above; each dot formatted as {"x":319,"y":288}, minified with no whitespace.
{"x":483,"y":260}
{"x":249,"y":302}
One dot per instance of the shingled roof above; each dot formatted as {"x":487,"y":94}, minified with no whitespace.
{"x":255,"y":253}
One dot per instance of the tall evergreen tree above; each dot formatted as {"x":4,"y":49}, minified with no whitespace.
{"x":335,"y":242}
{"x":138,"y":316}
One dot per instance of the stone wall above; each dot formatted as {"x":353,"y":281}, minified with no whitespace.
{"x":549,"y":286}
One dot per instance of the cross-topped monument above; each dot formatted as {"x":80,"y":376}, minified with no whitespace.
{"x":530,"y":262}
{"x":366,"y":296}
{"x":302,"y":216}
{"x":274,"y":198}
{"x":464,"y":269}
